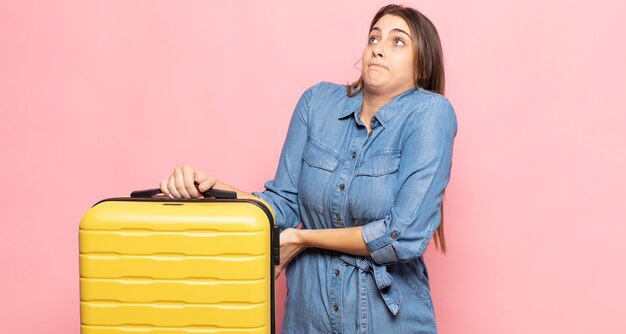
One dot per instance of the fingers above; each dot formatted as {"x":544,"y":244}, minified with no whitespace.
{"x":184,"y":182}
{"x":171,"y":185}
{"x":181,"y":184}
{"x":188,"y":175}
{"x":164,"y":188}
{"x":205,"y":182}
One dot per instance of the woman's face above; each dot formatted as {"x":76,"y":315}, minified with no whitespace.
{"x":388,"y":60}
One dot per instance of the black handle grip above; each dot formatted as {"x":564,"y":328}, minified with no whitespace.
{"x":145,"y":193}
{"x":217,"y":193}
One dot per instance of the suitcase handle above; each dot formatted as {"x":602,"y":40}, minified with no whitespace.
{"x":217,"y":193}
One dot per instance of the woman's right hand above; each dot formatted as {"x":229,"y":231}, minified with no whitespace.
{"x":181,"y":183}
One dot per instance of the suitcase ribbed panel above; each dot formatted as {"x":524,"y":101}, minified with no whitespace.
{"x":163,"y":267}
{"x":165,"y":330}
{"x":172,"y":314}
{"x":188,"y":291}
{"x":172,"y":267}
{"x":189,"y":243}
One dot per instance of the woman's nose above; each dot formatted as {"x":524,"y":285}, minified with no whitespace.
{"x":377,"y":51}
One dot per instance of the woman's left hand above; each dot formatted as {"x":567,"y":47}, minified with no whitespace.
{"x":290,"y":245}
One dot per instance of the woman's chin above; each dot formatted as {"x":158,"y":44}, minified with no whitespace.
{"x":375,"y":82}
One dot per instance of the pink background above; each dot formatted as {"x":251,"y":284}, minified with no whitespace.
{"x":102,"y":97}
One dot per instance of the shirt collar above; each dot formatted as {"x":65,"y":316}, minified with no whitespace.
{"x":384,"y":115}
{"x":352,"y":105}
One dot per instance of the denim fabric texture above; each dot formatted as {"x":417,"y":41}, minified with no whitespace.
{"x":333,"y":174}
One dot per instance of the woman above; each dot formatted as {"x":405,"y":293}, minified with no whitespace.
{"x":364,"y":172}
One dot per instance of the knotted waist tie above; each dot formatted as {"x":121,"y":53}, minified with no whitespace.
{"x":390,"y":293}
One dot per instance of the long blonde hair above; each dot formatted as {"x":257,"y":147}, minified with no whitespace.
{"x":429,"y":73}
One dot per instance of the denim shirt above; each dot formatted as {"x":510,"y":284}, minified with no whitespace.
{"x":332,"y":173}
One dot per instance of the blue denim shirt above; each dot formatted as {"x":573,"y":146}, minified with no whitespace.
{"x":333,"y":174}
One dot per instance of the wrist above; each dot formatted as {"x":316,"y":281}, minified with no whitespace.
{"x":302,"y":238}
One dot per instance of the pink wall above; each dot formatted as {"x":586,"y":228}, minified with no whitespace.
{"x":102,"y":97}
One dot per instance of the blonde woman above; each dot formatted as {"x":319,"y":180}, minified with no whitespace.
{"x":363,"y":169}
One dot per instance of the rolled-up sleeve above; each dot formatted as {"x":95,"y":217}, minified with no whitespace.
{"x":282,"y":192}
{"x":423,"y":174}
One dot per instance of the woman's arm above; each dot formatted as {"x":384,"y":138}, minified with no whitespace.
{"x":423,"y":175}
{"x":345,"y":240}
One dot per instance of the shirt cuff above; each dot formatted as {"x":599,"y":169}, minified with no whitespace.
{"x":379,"y":241}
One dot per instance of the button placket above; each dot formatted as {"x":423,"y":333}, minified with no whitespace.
{"x":336,"y":287}
{"x":337,"y":197}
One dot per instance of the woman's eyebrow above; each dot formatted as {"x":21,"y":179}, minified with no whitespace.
{"x":392,"y":30}
{"x":402,"y":31}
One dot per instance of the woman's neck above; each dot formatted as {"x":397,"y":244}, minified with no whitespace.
{"x":371,"y":104}
{"x":373,"y":101}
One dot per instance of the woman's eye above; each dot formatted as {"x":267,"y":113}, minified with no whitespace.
{"x":399,"y":42}
{"x":373,"y":40}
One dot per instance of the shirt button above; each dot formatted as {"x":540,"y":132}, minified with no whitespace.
{"x":369,"y":133}
{"x":353,"y":155}
{"x":337,"y":272}
{"x":342,"y":186}
{"x":337,"y":216}
{"x":335,"y":307}
{"x":374,"y":120}
{"x":394,"y":234}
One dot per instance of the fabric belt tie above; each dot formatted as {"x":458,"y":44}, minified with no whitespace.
{"x":390,"y":293}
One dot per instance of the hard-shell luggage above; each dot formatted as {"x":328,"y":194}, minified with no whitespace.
{"x":164,"y":266}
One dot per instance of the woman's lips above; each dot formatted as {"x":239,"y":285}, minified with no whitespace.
{"x":377,"y":65}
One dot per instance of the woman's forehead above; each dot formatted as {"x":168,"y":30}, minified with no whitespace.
{"x":391,"y":22}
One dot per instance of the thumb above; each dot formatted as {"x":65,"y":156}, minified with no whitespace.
{"x":204,"y":182}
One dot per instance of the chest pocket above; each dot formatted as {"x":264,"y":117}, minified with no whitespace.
{"x":373,"y":187}
{"x":317,"y":171}
{"x":379,"y":164}
{"x":318,"y":157}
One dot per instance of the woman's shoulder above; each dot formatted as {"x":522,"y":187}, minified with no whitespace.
{"x":423,"y":98}
{"x":319,"y":100}
{"x":423,"y":106}
{"x":424,"y":101}
{"x":324,"y":96}
{"x":327,"y":89}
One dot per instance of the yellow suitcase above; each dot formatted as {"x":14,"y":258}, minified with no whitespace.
{"x":163,"y":266}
